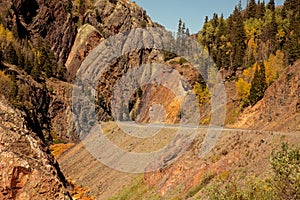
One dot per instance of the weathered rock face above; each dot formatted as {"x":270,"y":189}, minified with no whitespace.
{"x":32,"y":98}
{"x":106,"y":19}
{"x":279,"y":110}
{"x":88,"y":37}
{"x":27,"y":170}
{"x":46,"y":105}
{"x":112,"y":17}
{"x":60,"y":113}
{"x":49,"y":20}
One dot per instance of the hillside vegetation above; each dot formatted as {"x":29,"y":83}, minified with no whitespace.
{"x":255,"y":44}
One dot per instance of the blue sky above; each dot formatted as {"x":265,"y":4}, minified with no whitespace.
{"x":192,"y":12}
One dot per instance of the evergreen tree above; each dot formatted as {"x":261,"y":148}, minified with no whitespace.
{"x":48,"y":68}
{"x":187,"y":33}
{"x":271,"y":5}
{"x":61,"y":72}
{"x":179,"y":37}
{"x":179,"y":30}
{"x":221,"y":30}
{"x":203,"y":32}
{"x":27,"y":65}
{"x":273,"y":27}
{"x":215,"y":20}
{"x":181,"y":40}
{"x":292,"y":48}
{"x":239,"y":7}
{"x":20,"y":56}
{"x":251,"y":9}
{"x":258,"y":84}
{"x":260,"y":10}
{"x":183,"y":30}
{"x":294,"y":5}
{"x":206,"y":20}
{"x":291,"y":10}
{"x":237,"y":37}
{"x":221,"y":59}
{"x":15,"y":88}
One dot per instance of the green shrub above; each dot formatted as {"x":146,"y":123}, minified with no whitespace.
{"x":169,"y":55}
{"x":286,"y":167}
{"x":282,"y":183}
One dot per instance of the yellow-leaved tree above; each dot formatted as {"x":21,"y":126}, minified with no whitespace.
{"x":243,"y":84}
{"x":274,"y":66}
{"x":202,"y":93}
{"x":243,"y":89}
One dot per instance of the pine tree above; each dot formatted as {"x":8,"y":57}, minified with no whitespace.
{"x":273,"y":27}
{"x":222,"y":60}
{"x":292,"y":48}
{"x":181,"y":39}
{"x":291,"y":10}
{"x":20,"y":56}
{"x":15,"y":88}
{"x":61,"y":72}
{"x":271,"y":5}
{"x":239,"y":7}
{"x":215,"y":20}
{"x":237,"y":37}
{"x":203,"y":32}
{"x":258,"y":84}
{"x":27,"y":65}
{"x":183,"y":30}
{"x":261,"y":10}
{"x":187,"y":33}
{"x":47,"y":67}
{"x":251,"y":9}
{"x":206,"y":20}
{"x":179,"y":30}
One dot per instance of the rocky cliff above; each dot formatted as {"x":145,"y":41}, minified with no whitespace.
{"x":28,"y":171}
{"x":37,"y":20}
{"x":29,"y":108}
{"x":106,"y":19}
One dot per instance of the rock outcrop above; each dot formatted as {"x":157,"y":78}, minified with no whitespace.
{"x":88,"y":37}
{"x":112,"y":17}
{"x":106,"y":19}
{"x":60,"y":116}
{"x":32,"y":98}
{"x":27,"y":170}
{"x":49,"y":21}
